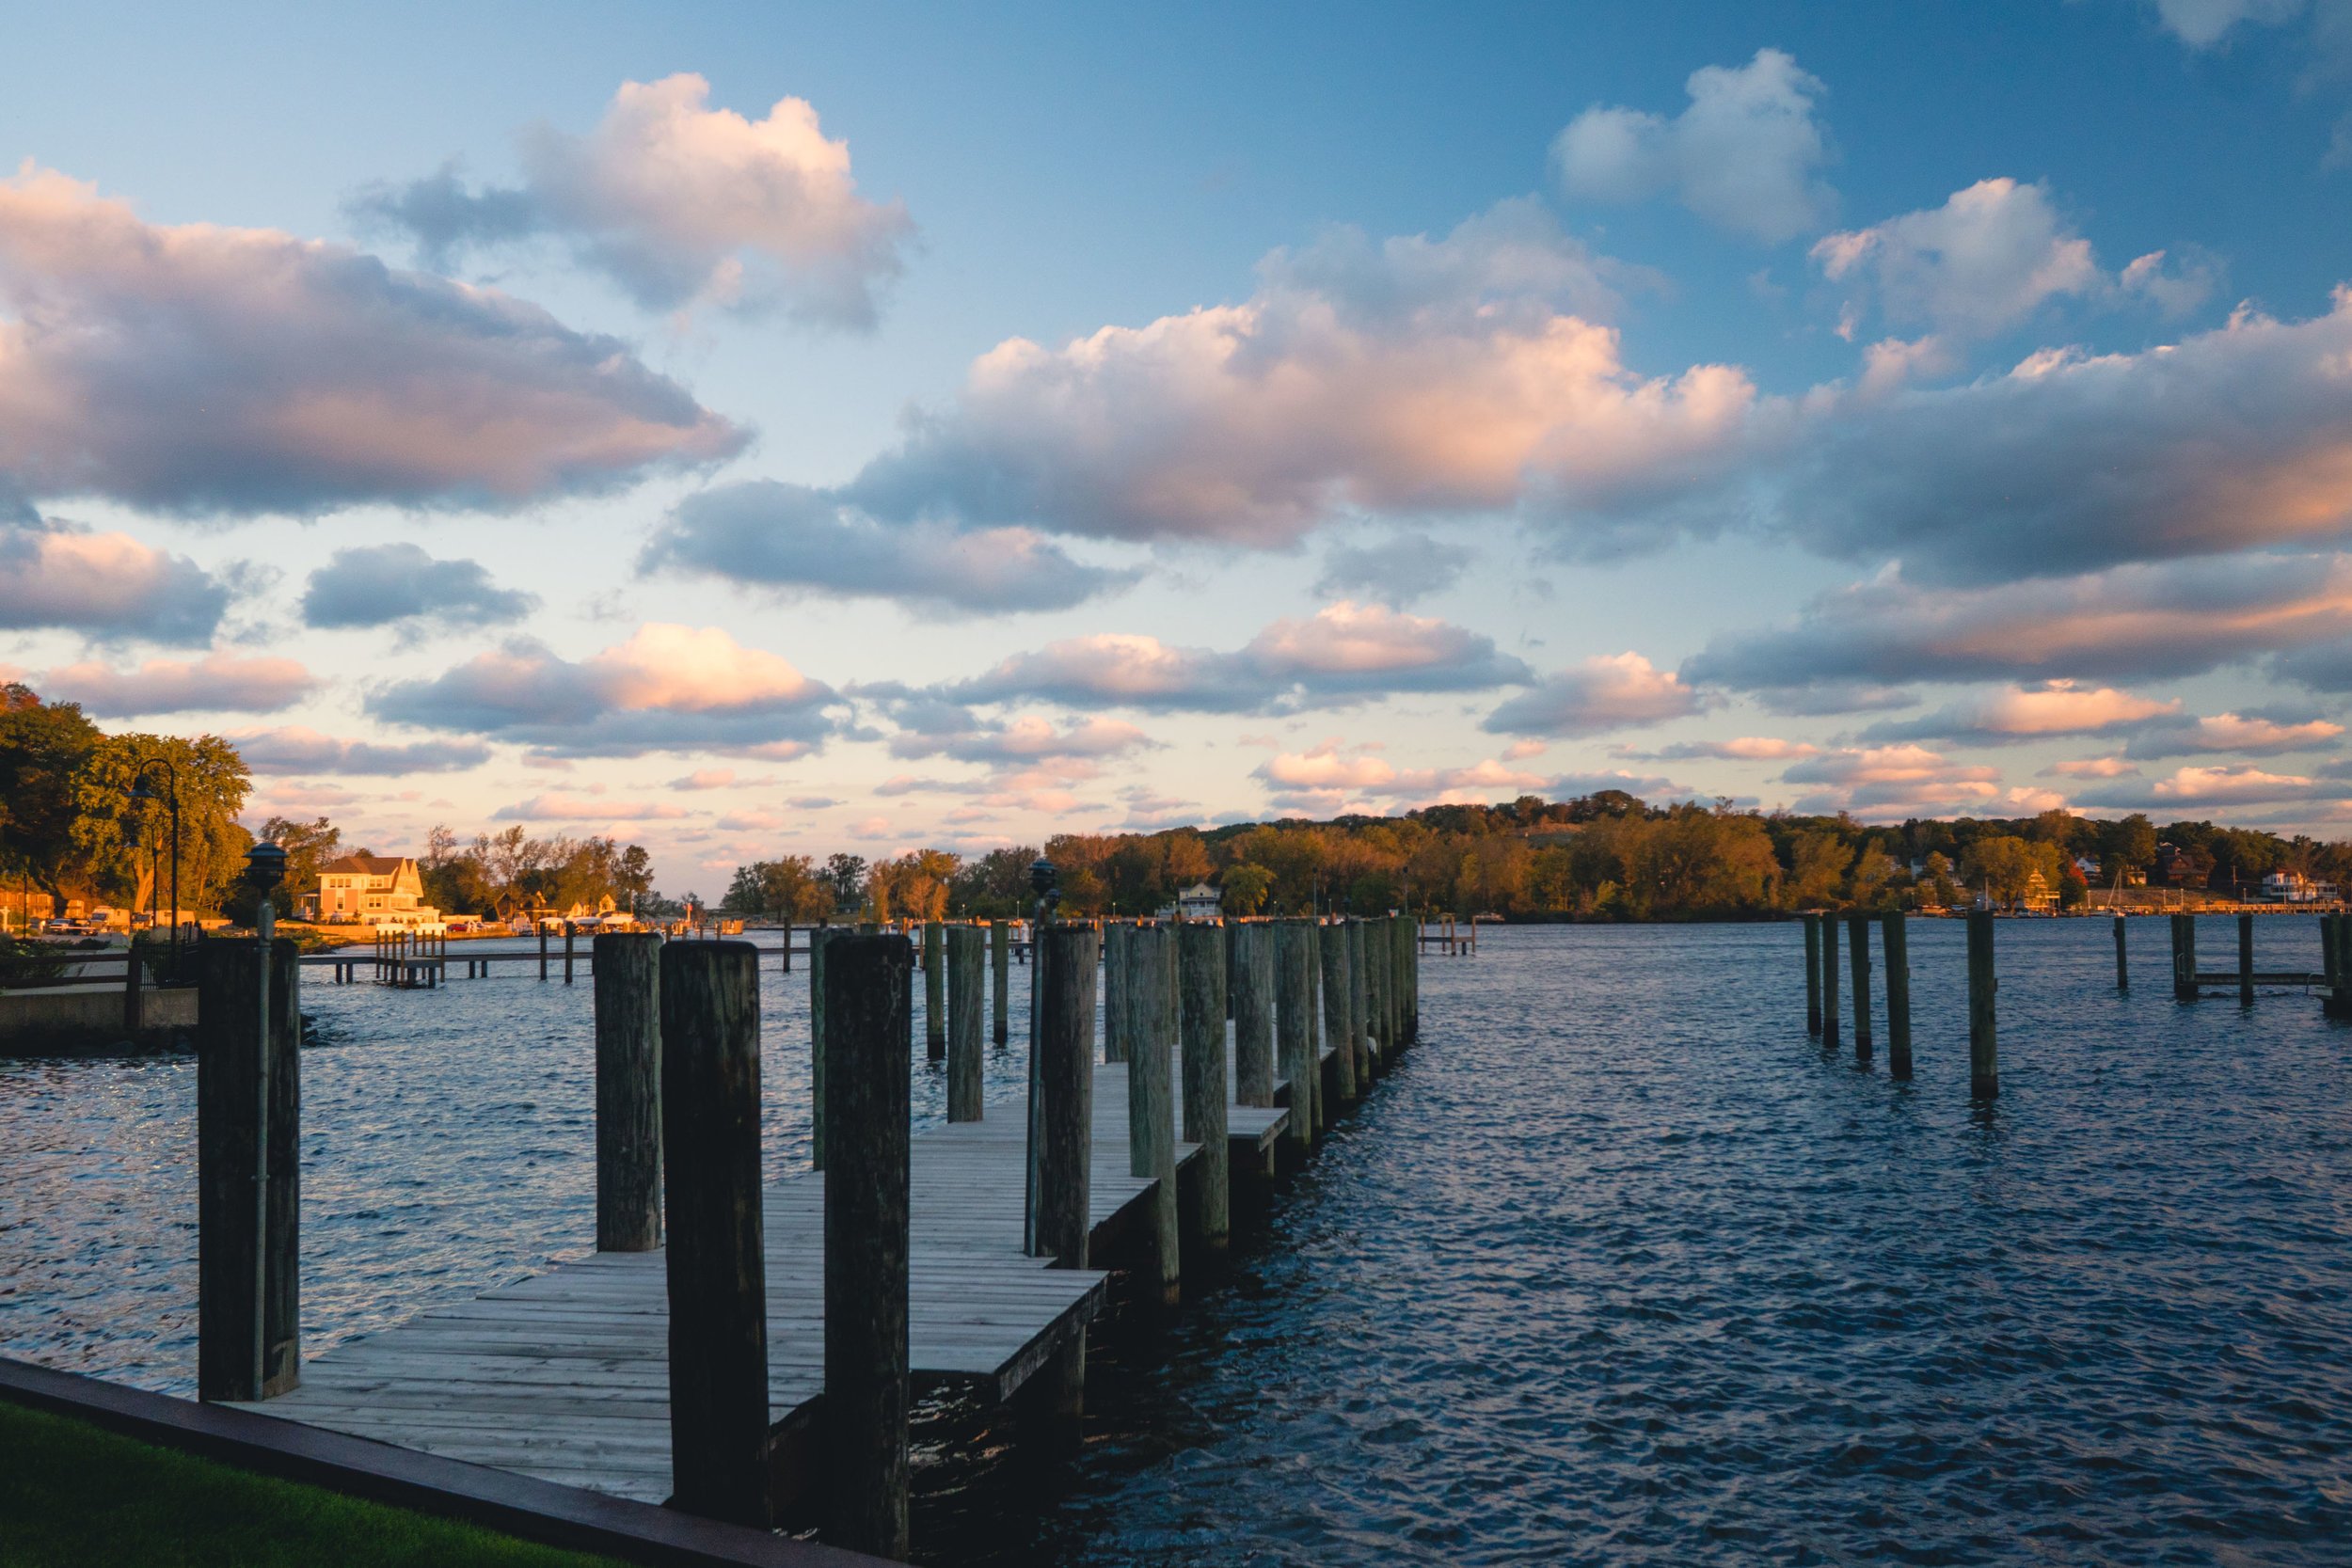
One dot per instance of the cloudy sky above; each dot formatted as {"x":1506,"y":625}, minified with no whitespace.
{"x":757,"y":429}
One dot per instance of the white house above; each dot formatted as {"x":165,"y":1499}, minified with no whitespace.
{"x":2293,"y":887}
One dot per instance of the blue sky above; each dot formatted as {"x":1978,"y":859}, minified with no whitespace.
{"x":1059,"y":419}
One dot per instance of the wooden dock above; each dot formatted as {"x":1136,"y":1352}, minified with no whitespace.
{"x":564,"y":1376}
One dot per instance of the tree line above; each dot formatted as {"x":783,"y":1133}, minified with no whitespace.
{"x":1607,"y":856}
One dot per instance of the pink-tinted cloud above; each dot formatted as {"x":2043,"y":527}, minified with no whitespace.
{"x":2028,"y":713}
{"x":1344,"y":653}
{"x":564,"y":808}
{"x":1462,"y":373}
{"x":682,"y":203}
{"x":2244,"y":734}
{"x":217,"y":682}
{"x":297,"y":749}
{"x":204,"y":370}
{"x":105,"y":585}
{"x":668,"y":688}
{"x":1607,"y":692}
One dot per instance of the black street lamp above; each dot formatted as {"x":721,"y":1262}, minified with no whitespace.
{"x":171,"y":800}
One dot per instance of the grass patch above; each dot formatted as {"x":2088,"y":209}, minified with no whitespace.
{"x":73,"y":1495}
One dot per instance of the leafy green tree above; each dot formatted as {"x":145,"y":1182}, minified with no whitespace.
{"x":1244,"y":888}
{"x":123,"y":842}
{"x":308,"y":846}
{"x":43,"y":748}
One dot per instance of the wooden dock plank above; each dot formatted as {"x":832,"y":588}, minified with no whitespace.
{"x":565,"y":1375}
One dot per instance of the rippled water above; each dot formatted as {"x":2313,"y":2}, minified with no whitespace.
{"x":1617,"y":1267}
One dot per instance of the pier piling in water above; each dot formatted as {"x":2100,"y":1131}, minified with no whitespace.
{"x":1151,"y":1095}
{"x":1065,"y":1080}
{"x":2185,"y":958}
{"x":1984,"y":1057}
{"x":543,"y":948}
{"x":817,"y":941}
{"x":248,"y":1170}
{"x":2123,"y":968}
{"x":570,"y":933}
{"x":1331,"y":959}
{"x":1253,"y":1013}
{"x":1829,"y":982}
{"x":1000,"y":977}
{"x":1202,"y":1010}
{"x":1896,"y":942}
{"x":967,"y":960}
{"x":867,"y":981}
{"x":1357,"y":1043}
{"x":1813,"y":975}
{"x":2245,"y":960}
{"x":934,"y":992}
{"x":626,"y":976}
{"x":1858,"y":946}
{"x":1294,"y":1027}
{"x":716,"y":1264}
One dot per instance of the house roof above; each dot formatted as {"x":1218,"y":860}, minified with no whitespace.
{"x":374,"y":865}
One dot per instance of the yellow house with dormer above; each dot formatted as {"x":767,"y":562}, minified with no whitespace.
{"x":371,"y":889}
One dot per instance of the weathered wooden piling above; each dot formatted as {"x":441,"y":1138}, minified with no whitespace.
{"x":967,"y":959}
{"x":626,"y":977}
{"x":2185,"y":958}
{"x":2245,"y":960}
{"x":2331,"y":976}
{"x":1332,"y":959}
{"x":1000,"y":977}
{"x":1295,"y":1028}
{"x":2122,"y":968}
{"x":709,"y":1002}
{"x":1812,"y":973}
{"x":1984,"y":1056}
{"x":1829,"y":982}
{"x":1201,"y":1004}
{"x":816,"y":939}
{"x":1064,"y":1080}
{"x":1858,"y":952}
{"x":1116,"y":1013}
{"x":1253,"y":1013}
{"x":868,"y":984}
{"x":1376,"y":1028}
{"x":1150,"y":1095}
{"x":570,"y":933}
{"x":1896,"y":942}
{"x":543,"y":949}
{"x":1357,"y":1043}
{"x":248,"y":1170}
{"x":934,"y":992}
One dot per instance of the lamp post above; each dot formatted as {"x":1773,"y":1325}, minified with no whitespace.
{"x":171,"y":800}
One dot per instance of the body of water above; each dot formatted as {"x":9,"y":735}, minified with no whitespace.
{"x":1617,"y":1267}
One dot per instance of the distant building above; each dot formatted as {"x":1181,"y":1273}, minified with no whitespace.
{"x":2293,"y":887}
{"x":2039,"y":896}
{"x":2180,"y":867}
{"x":1199,"y":902}
{"x":371,"y":889}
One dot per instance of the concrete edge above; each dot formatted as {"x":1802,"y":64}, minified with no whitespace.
{"x":502,"y":1500}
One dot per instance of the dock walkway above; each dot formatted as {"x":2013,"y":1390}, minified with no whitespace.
{"x":565,"y":1375}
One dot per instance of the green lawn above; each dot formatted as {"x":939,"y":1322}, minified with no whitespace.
{"x":72,"y":1495}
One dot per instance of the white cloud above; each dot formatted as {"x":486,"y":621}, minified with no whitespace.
{"x":797,"y":540}
{"x":204,"y":370}
{"x":1398,"y":570}
{"x":1879,"y":782}
{"x":2201,"y":23}
{"x":376,"y":585}
{"x":1744,"y":154}
{"x":681,"y":203}
{"x":1605,"y":692}
{"x":1976,"y":266}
